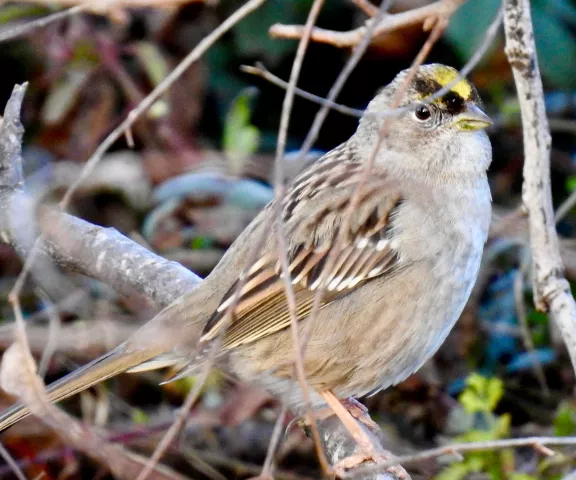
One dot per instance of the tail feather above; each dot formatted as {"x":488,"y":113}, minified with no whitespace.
{"x":113,"y":363}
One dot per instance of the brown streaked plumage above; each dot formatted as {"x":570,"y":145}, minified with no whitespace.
{"x":408,"y":262}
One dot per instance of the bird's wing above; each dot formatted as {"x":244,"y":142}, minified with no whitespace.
{"x":313,"y":213}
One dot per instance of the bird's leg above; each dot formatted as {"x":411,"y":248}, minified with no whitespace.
{"x":346,"y":411}
{"x":369,"y":451}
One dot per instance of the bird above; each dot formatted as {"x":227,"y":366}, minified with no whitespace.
{"x":395,"y":253}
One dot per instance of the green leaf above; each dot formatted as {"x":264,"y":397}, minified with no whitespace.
{"x":471,"y":402}
{"x":502,"y":428}
{"x":564,"y":423}
{"x":481,"y":394}
{"x":494,"y":392}
{"x":476,"y":436}
{"x":241,"y":139}
{"x":456,"y":471}
{"x":521,"y":476}
{"x":571,"y":183}
{"x":200,"y":242}
{"x":476,"y":461}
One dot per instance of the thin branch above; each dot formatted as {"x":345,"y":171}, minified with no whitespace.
{"x":279,"y":188}
{"x":142,"y":107}
{"x":376,"y":26}
{"x":54,"y":331}
{"x":14,"y":467}
{"x":77,"y":245}
{"x":551,"y":290}
{"x":112,"y":7}
{"x":180,"y":420}
{"x":262,"y":72}
{"x":523,"y":319}
{"x":18,"y":376}
{"x":479,"y":53}
{"x":81,"y":340}
{"x":162,"y":88}
{"x":342,"y":77}
{"x":105,"y":254}
{"x":273,"y":445}
{"x":368,"y":8}
{"x":565,"y":207}
{"x":458,"y":448}
{"x":9,"y":33}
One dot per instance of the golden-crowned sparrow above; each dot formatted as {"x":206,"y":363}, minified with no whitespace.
{"x":410,"y":255}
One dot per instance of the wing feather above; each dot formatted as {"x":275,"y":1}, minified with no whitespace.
{"x":313,"y":212}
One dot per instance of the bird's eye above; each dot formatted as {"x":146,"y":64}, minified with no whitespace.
{"x":422,"y":113}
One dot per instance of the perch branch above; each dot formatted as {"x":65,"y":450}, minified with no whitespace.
{"x":551,"y":289}
{"x":107,"y":255}
{"x":10,"y":33}
{"x":441,"y":9}
{"x":18,"y":371}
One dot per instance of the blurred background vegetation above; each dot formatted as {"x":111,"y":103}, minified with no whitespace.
{"x":201,"y":169}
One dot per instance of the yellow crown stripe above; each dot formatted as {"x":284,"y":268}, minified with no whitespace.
{"x":445,"y":76}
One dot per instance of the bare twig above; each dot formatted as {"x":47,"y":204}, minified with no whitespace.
{"x":18,"y":376}
{"x":458,"y":448}
{"x":89,"y":249}
{"x":14,"y":180}
{"x":8,"y":33}
{"x":368,"y":8}
{"x":551,"y":290}
{"x":14,"y":467}
{"x":359,"y":50}
{"x":111,"y":7}
{"x":437,"y":30}
{"x":479,"y":53}
{"x":523,"y":318}
{"x":162,"y":87}
{"x":281,"y":234}
{"x":260,"y":71}
{"x":180,"y":420}
{"x":274,"y":441}
{"x":81,"y":340}
{"x":378,"y":26}
{"x":107,"y":255}
{"x":51,"y":342}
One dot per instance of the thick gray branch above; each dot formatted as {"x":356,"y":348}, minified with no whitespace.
{"x":108,"y":256}
{"x":551,"y":290}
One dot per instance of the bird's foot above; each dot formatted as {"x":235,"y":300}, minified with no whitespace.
{"x":359,"y":412}
{"x":369,"y":456}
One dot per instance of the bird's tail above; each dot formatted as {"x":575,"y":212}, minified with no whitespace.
{"x":117,"y":361}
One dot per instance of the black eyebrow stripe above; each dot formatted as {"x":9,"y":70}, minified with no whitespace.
{"x":452,"y":101}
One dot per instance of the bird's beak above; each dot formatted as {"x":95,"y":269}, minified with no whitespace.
{"x":472,"y":119}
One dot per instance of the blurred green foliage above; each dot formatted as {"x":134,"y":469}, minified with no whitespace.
{"x":565,"y":421}
{"x":555,"y":42}
{"x":240,"y":138}
{"x":480,"y":398}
